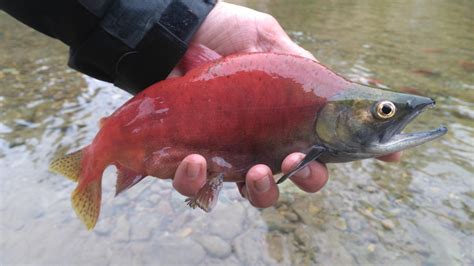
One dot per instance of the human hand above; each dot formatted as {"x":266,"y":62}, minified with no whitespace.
{"x":232,"y":29}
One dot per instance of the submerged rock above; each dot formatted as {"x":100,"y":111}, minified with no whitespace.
{"x":277,"y":222}
{"x":215,"y":246}
{"x":371,"y":248}
{"x":122,"y":230}
{"x":250,"y":249}
{"x":388,"y":224}
{"x":227,"y":222}
{"x":341,"y":224}
{"x":276,"y":244}
{"x":172,"y":251}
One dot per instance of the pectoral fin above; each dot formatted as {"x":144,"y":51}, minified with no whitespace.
{"x":206,"y":198}
{"x":312,"y":155}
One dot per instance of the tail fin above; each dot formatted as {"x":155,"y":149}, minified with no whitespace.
{"x":87,"y":196}
{"x":68,"y":166}
{"x":86,"y":202}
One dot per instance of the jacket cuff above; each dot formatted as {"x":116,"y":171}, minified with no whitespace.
{"x":139,"y":42}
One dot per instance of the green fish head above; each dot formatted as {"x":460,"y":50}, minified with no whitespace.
{"x":364,"y":122}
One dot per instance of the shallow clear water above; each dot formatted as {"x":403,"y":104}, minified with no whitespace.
{"x":419,"y":211}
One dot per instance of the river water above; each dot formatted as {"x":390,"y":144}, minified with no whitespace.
{"x":419,"y":211}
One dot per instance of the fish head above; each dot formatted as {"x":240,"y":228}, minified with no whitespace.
{"x":364,"y":122}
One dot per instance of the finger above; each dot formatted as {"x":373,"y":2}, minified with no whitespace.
{"x":190,"y":175}
{"x":288,"y":46}
{"x":311,"y":178}
{"x":273,"y":38}
{"x":260,"y":187}
{"x":394,"y":157}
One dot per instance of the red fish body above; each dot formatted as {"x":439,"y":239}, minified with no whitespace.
{"x":237,"y":111}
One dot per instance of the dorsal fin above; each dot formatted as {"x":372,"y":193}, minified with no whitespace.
{"x":196,"y":55}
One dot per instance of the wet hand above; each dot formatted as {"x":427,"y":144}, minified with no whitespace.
{"x":259,"y":186}
{"x":230,"y":29}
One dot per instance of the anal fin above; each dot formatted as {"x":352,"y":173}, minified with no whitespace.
{"x":207,"y":196}
{"x":126,"y":178}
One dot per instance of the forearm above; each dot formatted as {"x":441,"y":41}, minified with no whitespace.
{"x":132,"y":43}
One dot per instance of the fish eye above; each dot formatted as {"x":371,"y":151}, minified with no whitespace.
{"x":385,"y":110}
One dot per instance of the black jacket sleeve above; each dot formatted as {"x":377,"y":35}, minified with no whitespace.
{"x":132,"y":43}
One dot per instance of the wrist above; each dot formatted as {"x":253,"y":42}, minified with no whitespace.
{"x":138,"y":44}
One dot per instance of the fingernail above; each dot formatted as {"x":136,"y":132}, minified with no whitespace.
{"x":192,"y":170}
{"x":262,"y":184}
{"x":303,"y":173}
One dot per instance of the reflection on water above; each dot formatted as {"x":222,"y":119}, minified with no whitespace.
{"x":419,"y":211}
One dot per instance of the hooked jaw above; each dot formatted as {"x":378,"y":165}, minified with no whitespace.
{"x":393,"y":140}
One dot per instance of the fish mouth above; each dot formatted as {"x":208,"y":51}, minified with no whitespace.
{"x":393,"y":140}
